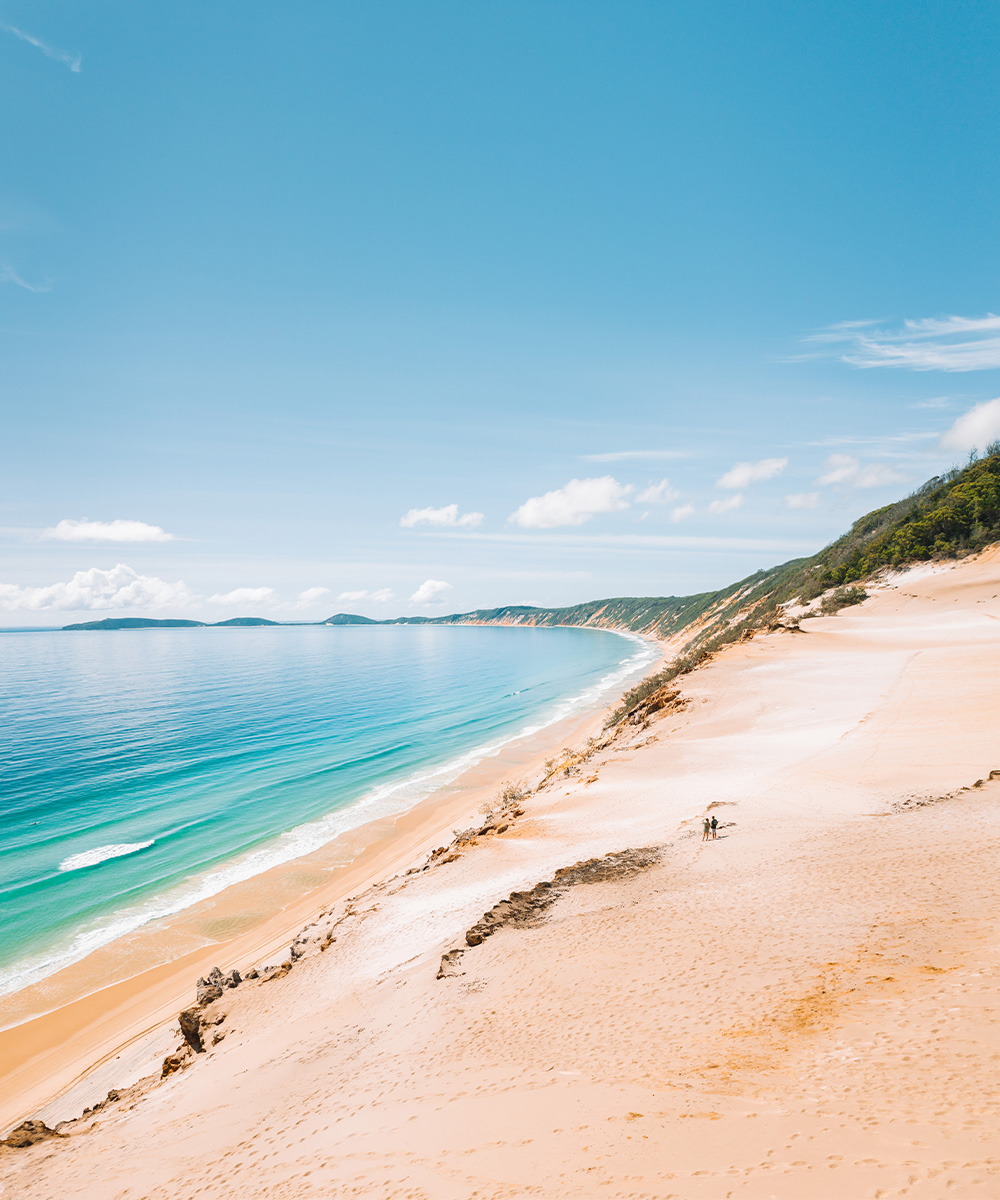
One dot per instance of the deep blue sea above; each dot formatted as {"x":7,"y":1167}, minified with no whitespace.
{"x":142,"y":771}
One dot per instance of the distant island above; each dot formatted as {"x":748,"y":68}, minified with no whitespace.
{"x":151,"y":623}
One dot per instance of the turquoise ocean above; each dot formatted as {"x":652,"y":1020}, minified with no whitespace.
{"x":143,"y":771}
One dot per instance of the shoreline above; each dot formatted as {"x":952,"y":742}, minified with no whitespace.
{"x":560,"y":1003}
{"x":86,"y":1024}
{"x":130,"y":924}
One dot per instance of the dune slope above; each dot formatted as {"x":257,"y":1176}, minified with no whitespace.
{"x":806,"y":1006}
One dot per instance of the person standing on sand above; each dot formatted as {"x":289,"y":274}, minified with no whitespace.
{"x":715,"y":826}
{"x":707,"y":827}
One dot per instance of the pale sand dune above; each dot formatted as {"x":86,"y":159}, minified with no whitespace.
{"x":805,"y":1009}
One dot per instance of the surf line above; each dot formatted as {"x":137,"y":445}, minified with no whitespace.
{"x":90,"y":858}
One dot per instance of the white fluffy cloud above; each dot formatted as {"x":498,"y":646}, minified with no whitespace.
{"x":119,"y":587}
{"x":431,"y":591}
{"x":682,"y":512}
{"x":745,"y":473}
{"x":721,"y":506}
{"x":447,"y":516}
{"x":802,"y":500}
{"x":573,"y":504}
{"x":658,"y":493}
{"x":975,"y":429}
{"x":845,"y":468}
{"x":380,"y":595}
{"x":106,"y":531}
{"x":260,"y":597}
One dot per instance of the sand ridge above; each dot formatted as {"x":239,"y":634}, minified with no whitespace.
{"x":804,"y":1007}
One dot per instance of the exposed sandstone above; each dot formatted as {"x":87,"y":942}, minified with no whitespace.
{"x":529,"y":908}
{"x":190,"y":1023}
{"x":27,"y":1134}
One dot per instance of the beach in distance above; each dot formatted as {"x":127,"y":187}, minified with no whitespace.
{"x":582,"y":997}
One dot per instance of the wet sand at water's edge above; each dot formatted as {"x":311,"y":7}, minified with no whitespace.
{"x":806,"y":1007}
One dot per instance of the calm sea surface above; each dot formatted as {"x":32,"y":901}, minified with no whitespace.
{"x":142,"y":771}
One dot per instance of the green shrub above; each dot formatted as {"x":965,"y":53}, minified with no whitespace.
{"x":842,"y":598}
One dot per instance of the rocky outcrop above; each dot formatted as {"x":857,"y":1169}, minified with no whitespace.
{"x":28,"y":1133}
{"x":449,"y":964}
{"x":191,"y":1020}
{"x":216,"y":979}
{"x":190,"y":1023}
{"x":174,"y":1062}
{"x":529,"y":908}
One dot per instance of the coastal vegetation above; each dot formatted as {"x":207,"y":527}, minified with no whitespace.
{"x":949,"y":516}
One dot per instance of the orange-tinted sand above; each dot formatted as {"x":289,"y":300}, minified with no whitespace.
{"x":804,"y":1009}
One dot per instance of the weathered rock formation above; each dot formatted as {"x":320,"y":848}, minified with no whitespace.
{"x":27,"y":1134}
{"x":529,"y":908}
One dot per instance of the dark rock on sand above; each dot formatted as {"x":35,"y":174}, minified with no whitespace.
{"x":190,"y":1023}
{"x":27,"y":1134}
{"x":174,"y":1062}
{"x":449,"y":964}
{"x":529,"y":908}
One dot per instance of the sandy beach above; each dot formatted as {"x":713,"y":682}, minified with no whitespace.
{"x":804,"y":1007}
{"x":109,"y":1011}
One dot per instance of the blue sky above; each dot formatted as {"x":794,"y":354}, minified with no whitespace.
{"x":391,"y":308}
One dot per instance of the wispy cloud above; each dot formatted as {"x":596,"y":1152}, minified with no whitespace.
{"x":106,"y":531}
{"x":846,"y":469}
{"x":930,"y":344}
{"x":881,"y":442}
{"x":681,"y":513}
{"x":573,"y":504}
{"x":745,"y":473}
{"x":641,"y":543}
{"x":380,"y":595}
{"x":311,"y":596}
{"x":717,"y":507}
{"x":658,"y":493}
{"x":119,"y":587}
{"x":799,"y":500}
{"x":447,"y":516}
{"x":258,"y":597}
{"x":626,"y":455}
{"x":9,"y":275}
{"x":73,"y":61}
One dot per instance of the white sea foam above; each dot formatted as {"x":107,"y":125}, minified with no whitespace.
{"x":90,"y":858}
{"x":385,"y":801}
